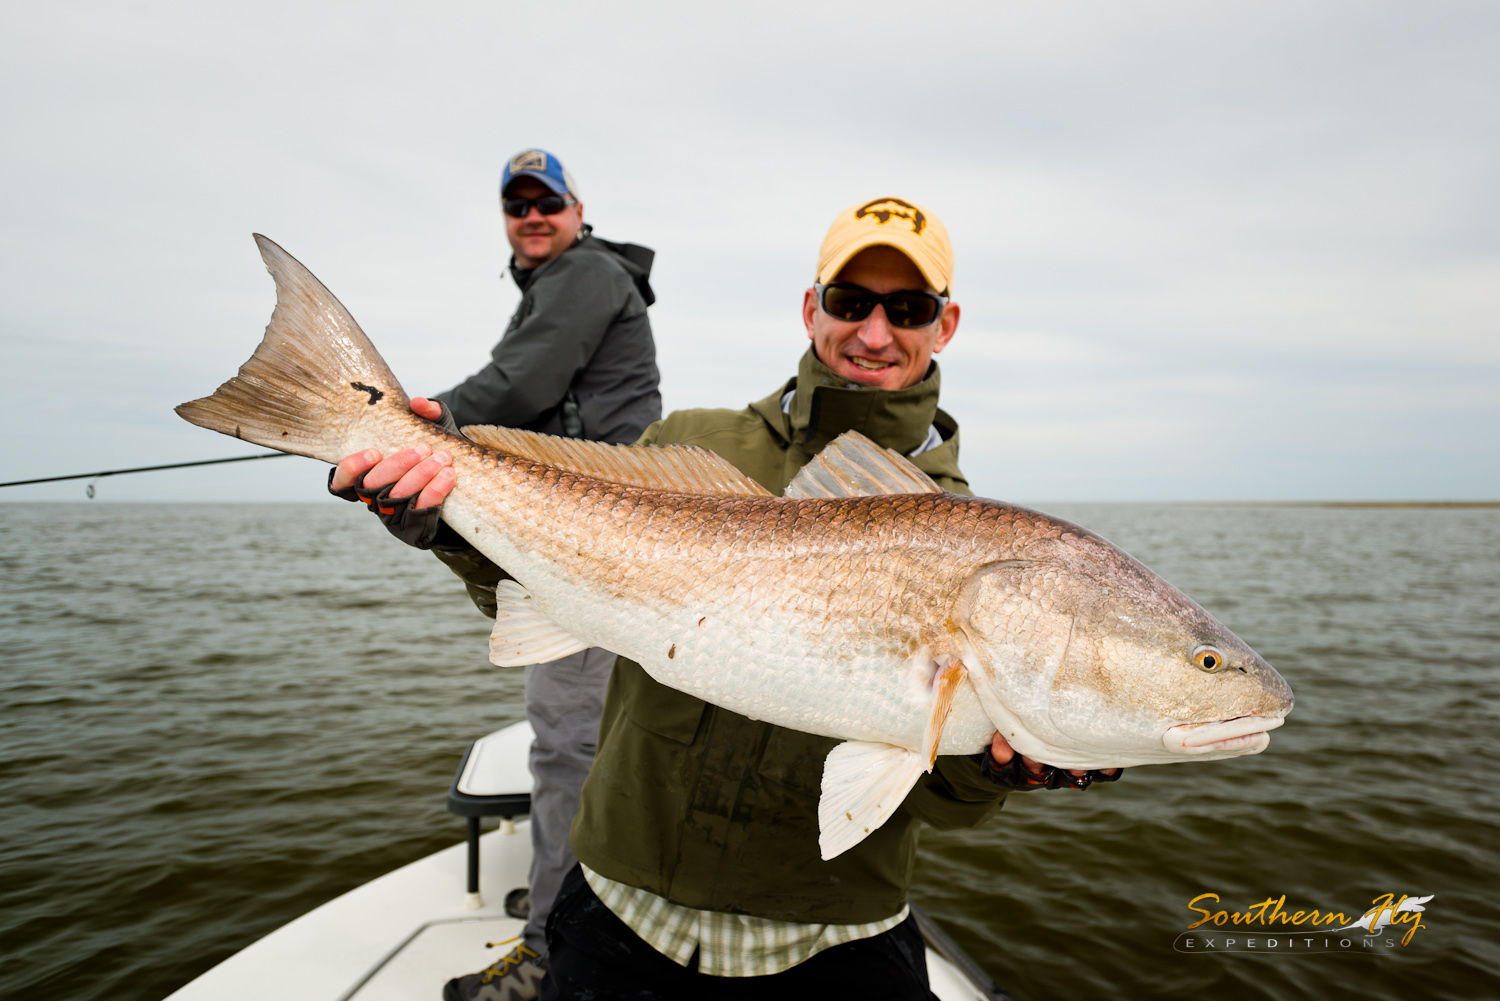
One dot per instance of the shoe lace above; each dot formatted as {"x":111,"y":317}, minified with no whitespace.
{"x":502,"y":966}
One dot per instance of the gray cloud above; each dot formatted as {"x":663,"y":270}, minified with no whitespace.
{"x":1227,"y":250}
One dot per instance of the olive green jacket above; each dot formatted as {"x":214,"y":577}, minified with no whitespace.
{"x":716,"y":811}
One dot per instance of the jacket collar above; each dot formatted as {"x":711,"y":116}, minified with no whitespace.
{"x":523,"y":277}
{"x":636,"y":260}
{"x":824,"y":406}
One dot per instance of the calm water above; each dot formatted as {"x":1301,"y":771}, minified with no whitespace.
{"x":213,"y":718}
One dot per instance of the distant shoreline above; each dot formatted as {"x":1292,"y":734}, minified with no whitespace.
{"x":1382,"y":503}
{"x":1040,"y":505}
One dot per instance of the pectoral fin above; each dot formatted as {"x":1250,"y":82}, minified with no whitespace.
{"x":863,"y":783}
{"x":944,"y":684}
{"x":523,"y":633}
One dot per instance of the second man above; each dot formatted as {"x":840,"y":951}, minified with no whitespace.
{"x":577,"y":360}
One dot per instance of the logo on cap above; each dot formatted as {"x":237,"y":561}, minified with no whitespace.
{"x":529,"y":160}
{"x":884,"y":209}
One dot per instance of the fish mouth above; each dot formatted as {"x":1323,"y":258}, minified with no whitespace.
{"x":1242,"y":735}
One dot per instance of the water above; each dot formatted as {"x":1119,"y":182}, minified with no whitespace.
{"x":215,"y":717}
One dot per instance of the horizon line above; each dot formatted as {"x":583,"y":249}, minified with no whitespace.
{"x":1164,"y":503}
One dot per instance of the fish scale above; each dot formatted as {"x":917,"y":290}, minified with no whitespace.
{"x":808,"y":603}
{"x":750,"y":573}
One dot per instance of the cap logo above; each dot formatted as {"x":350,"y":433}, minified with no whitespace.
{"x":529,"y":160}
{"x":884,"y":209}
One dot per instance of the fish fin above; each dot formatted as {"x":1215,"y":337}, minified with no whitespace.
{"x":313,"y":377}
{"x":683,"y":469}
{"x":863,"y":783}
{"x":854,"y":466}
{"x":523,"y":633}
{"x":944,"y":684}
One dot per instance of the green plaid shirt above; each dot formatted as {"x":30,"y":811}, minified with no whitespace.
{"x":729,"y":945}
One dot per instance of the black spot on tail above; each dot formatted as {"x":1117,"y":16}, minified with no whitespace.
{"x":375,"y":394}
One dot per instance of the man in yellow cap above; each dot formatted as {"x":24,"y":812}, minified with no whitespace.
{"x":697,"y":835}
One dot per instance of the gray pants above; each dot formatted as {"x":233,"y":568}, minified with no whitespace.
{"x":564,"y":699}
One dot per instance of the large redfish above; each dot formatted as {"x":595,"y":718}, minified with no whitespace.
{"x":866,"y":604}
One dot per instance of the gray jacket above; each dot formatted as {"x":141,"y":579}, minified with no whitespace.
{"x":577,"y":358}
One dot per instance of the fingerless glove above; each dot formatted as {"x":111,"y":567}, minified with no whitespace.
{"x":1016,"y":777}
{"x":421,"y":528}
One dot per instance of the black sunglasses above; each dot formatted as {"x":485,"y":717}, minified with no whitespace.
{"x":844,"y":301}
{"x":546,"y":205}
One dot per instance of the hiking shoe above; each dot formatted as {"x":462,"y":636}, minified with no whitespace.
{"x":517,"y":976}
{"x":518,"y":903}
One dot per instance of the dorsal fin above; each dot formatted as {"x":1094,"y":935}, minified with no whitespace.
{"x":683,"y":469}
{"x":854,"y":466}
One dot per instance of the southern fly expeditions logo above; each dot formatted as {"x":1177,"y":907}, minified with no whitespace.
{"x":1270,"y":927}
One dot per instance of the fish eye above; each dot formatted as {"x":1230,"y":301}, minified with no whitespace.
{"x":1207,"y":658}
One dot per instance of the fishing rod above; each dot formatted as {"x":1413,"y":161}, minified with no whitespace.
{"x":143,"y":469}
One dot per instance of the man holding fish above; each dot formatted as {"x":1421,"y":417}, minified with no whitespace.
{"x":701,"y":871}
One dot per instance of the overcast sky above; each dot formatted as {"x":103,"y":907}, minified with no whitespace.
{"x":1227,"y":250}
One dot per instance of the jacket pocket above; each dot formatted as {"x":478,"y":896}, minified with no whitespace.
{"x":794,"y":759}
{"x":663,"y":711}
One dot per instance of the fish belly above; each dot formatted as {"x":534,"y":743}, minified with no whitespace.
{"x":751,"y":648}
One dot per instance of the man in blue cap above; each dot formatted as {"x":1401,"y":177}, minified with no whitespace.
{"x":576,"y":360}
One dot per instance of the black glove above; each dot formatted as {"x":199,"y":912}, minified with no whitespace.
{"x":445,"y":420}
{"x":1015,"y":776}
{"x":421,"y":527}
{"x":418,"y":527}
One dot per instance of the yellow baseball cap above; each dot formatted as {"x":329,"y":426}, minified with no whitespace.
{"x":891,"y":222}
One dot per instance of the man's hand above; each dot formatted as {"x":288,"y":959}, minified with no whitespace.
{"x":1001,"y":753}
{"x":406,"y":489}
{"x":413,"y":470}
{"x":428,"y":410}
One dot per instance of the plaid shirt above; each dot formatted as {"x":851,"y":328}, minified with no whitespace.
{"x":728,"y":945}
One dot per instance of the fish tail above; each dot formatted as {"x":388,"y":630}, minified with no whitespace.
{"x":314,"y":377}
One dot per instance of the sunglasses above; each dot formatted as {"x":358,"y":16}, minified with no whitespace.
{"x":546,"y":205}
{"x":844,"y":301}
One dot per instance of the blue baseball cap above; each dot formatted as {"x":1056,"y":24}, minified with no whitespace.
{"x":543,"y":166}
